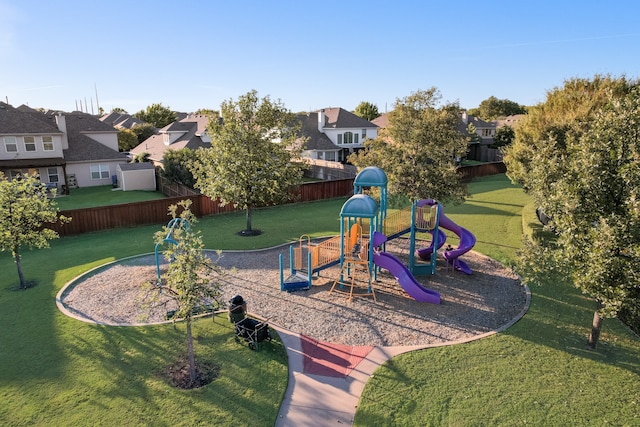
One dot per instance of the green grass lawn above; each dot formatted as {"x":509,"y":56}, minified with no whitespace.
{"x":55,"y":370}
{"x":103,"y":195}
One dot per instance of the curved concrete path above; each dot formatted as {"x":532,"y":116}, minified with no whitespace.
{"x":316,"y":400}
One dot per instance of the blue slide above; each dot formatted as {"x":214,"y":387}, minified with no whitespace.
{"x":402,"y":274}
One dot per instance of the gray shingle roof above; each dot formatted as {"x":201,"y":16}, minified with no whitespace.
{"x":14,"y":121}
{"x":338,"y":118}
{"x":82,"y":147}
{"x":316,"y":139}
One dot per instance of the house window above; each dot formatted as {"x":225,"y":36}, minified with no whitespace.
{"x":348,"y":137}
{"x":10,"y":144}
{"x":99,"y":171}
{"x":53,"y":174}
{"x":329,"y":156}
{"x":486,"y":132}
{"x":355,"y":138}
{"x":364,"y":134}
{"x":339,"y":138}
{"x":47,"y":143}
{"x":29,"y":143}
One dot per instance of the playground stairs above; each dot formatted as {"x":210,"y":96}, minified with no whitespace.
{"x":353,"y":275}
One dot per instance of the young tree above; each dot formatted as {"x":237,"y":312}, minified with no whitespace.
{"x":127,"y":139}
{"x":177,"y":166}
{"x":190,"y":276}
{"x":418,"y":149}
{"x":254,"y":157}
{"x":25,"y":209}
{"x":157,"y":114}
{"x":367,"y":111}
{"x":584,"y":172}
{"x":504,"y":136}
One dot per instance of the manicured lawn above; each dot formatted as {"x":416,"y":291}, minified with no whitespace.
{"x":58,"y":371}
{"x":539,"y":372}
{"x":104,"y":195}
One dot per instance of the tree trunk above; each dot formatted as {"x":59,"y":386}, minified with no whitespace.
{"x":596,"y":326}
{"x":23,"y":285}
{"x":191,"y":354}
{"x":249,"y":218}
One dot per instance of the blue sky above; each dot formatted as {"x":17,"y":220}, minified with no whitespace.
{"x":310,"y":55}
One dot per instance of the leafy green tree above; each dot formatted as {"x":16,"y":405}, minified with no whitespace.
{"x":254,"y":156}
{"x":119,"y":110}
{"x":417,"y":150}
{"x":177,"y":166}
{"x":208,"y":112}
{"x":367,"y":111}
{"x":191,"y":275}
{"x":493,"y":108}
{"x":157,"y":114}
{"x":504,"y":136}
{"x":143,"y":131}
{"x":472,"y":134}
{"x":584,"y":172}
{"x":25,"y":209}
{"x":127,"y":139}
{"x":141,"y":158}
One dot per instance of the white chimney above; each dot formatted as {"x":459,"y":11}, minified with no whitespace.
{"x":61,"y":121}
{"x":321,"y":120}
{"x":465,"y":118}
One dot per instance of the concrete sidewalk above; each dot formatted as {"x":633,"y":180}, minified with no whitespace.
{"x":317,"y":400}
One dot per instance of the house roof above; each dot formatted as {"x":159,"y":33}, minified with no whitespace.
{"x":121,"y":120}
{"x":338,"y":118}
{"x":316,"y":140}
{"x":81,"y":146}
{"x":16,"y":121}
{"x":381,"y":121}
{"x":192,"y":128}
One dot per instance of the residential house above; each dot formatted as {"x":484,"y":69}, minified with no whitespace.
{"x":121,"y":120}
{"x":66,"y":150}
{"x":334,"y":133}
{"x":478,"y":148}
{"x":190,"y":132}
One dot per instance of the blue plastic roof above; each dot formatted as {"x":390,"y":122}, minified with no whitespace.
{"x":359,"y":206}
{"x":371,"y":176}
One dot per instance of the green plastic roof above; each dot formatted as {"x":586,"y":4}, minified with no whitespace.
{"x":359,"y":206}
{"x":371,"y":176}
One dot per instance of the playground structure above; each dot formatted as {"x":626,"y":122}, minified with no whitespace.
{"x":359,"y":249}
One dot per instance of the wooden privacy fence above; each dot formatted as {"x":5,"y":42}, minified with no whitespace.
{"x":156,"y":211}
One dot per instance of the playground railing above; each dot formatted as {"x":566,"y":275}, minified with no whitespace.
{"x":397,"y":222}
{"x":326,"y":252}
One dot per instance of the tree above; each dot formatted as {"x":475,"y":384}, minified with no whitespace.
{"x":208,"y":112}
{"x":367,"y":111}
{"x":119,"y":110}
{"x":25,"y":209}
{"x":254,"y":156}
{"x":189,"y":276}
{"x":177,"y":166}
{"x":504,"y":136}
{"x":143,"y":131}
{"x":418,"y":148}
{"x":141,"y":158}
{"x":584,"y":173}
{"x":127,"y":139}
{"x":157,"y":114}
{"x":493,"y":108}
